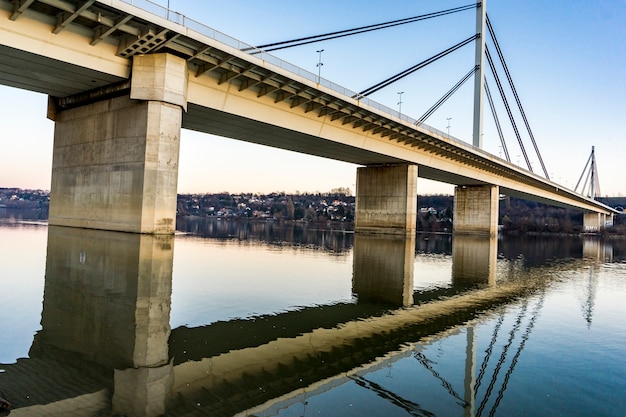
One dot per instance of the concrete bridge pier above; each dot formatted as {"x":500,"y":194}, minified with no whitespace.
{"x":476,"y":210}
{"x":386,"y":200}
{"x":115,"y":161}
{"x":595,"y":222}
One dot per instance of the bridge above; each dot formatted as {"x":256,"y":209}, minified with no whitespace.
{"x":123,"y":80}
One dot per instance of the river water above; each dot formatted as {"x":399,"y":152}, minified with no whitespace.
{"x":259,"y":319}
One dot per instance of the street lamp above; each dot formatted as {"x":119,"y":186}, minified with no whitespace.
{"x":319,"y":66}
{"x":448,"y":119}
{"x":400,"y":102}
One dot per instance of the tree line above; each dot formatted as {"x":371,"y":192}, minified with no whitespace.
{"x":435,"y":212}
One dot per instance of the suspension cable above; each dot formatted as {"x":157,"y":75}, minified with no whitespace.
{"x":508,"y":108}
{"x":581,"y":175}
{"x":446,"y":96}
{"x":414,"y":68}
{"x":517,"y":99}
{"x":355,"y":31}
{"x":497,"y":121}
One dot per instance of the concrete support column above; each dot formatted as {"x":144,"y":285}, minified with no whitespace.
{"x":595,"y":222}
{"x":386,"y":199}
{"x":115,"y":162}
{"x":476,"y":210}
{"x":592,"y":222}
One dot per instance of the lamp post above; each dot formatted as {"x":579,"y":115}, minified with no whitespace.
{"x":448,"y":127}
{"x":400,"y":102}
{"x":319,"y":66}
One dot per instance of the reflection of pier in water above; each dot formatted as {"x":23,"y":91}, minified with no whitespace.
{"x":106,"y":345}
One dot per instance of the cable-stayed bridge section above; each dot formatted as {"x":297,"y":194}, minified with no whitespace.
{"x":123,"y":81}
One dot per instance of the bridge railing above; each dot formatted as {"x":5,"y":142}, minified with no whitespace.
{"x":209,"y":32}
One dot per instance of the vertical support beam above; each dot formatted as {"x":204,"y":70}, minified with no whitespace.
{"x":595,"y":222}
{"x":383,"y":268}
{"x":591,"y":222}
{"x":476,"y":209}
{"x":610,"y":218}
{"x":479,"y":75}
{"x":115,"y":162}
{"x":592,"y":174}
{"x":386,"y":199}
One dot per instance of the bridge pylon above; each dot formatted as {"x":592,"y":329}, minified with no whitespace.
{"x":591,"y":186}
{"x":479,"y":75}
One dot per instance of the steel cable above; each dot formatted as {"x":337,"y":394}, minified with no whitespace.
{"x":508,"y":108}
{"x":414,"y":68}
{"x":517,"y":99}
{"x":355,"y":31}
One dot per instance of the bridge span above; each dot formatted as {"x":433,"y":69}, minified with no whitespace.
{"x":122,"y":82}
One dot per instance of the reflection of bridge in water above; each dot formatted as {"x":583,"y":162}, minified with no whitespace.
{"x":106,"y":343}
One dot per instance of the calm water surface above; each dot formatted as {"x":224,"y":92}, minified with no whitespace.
{"x":254,"y":319}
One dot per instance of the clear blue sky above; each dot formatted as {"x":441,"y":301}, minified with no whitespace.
{"x":568,"y":61}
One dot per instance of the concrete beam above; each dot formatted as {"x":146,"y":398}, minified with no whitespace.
{"x":159,"y":77}
{"x":476,"y":210}
{"x":386,"y":199}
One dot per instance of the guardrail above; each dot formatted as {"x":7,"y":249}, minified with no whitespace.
{"x":201,"y":28}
